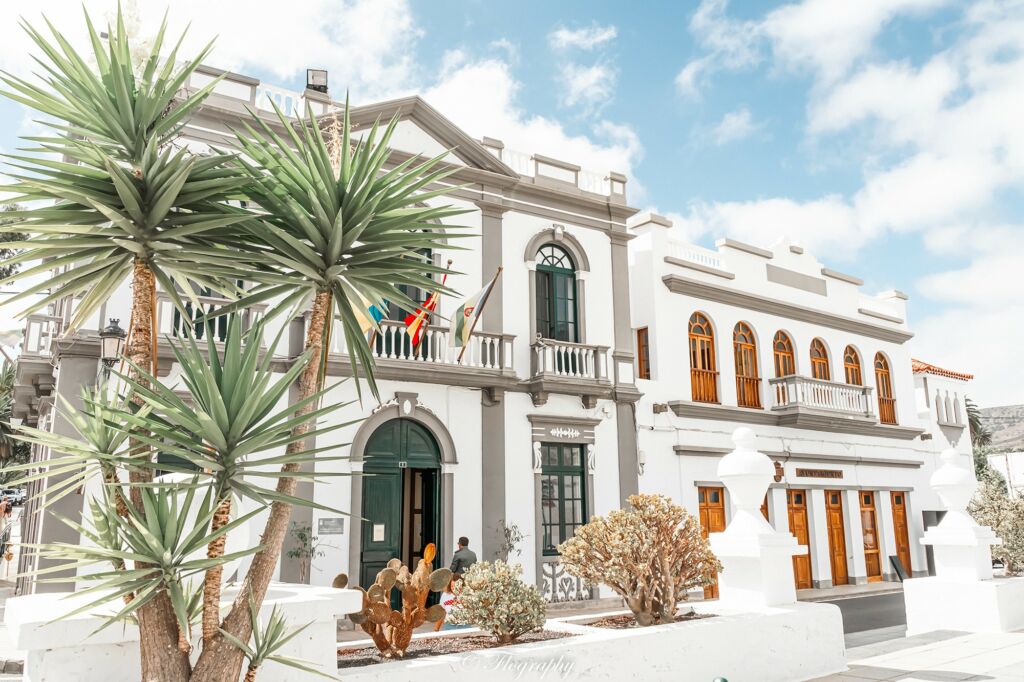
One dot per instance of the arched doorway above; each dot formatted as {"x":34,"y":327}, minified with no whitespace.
{"x":401,"y":496}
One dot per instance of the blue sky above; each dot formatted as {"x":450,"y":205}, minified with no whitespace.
{"x":883,"y":135}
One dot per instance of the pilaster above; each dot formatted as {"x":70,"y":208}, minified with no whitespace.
{"x":821,"y":568}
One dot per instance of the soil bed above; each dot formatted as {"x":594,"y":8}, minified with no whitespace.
{"x":437,"y":646}
{"x":627,"y":620}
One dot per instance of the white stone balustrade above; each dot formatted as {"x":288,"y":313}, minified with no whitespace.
{"x":800,"y":391}
{"x":569,"y":360}
{"x":485,"y":350}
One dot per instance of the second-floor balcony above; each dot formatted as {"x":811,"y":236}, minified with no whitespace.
{"x":794,"y":393}
{"x":566,"y":367}
{"x":487,"y":359}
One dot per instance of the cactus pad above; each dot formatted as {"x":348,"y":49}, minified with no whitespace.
{"x":439,"y":579}
{"x":435,"y":613}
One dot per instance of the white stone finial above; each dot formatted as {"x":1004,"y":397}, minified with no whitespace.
{"x":955,"y":486}
{"x":747,"y":474}
{"x":744,"y":437}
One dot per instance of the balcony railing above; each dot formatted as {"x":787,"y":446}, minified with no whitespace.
{"x":704,"y":385}
{"x":887,"y":410}
{"x":569,"y":360}
{"x":801,"y":391}
{"x":173,"y":322}
{"x":748,"y":392}
{"x":695,"y":254}
{"x":485,"y":350}
{"x":40,"y":333}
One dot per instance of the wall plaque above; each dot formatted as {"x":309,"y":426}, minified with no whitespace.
{"x":331,"y":526}
{"x":819,"y":473}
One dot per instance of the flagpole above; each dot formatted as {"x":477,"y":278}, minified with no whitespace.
{"x":487,"y":297}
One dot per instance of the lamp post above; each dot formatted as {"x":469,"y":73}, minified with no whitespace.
{"x":111,"y":345}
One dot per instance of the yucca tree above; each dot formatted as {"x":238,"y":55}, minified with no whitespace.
{"x":267,"y":640}
{"x":219,"y":441}
{"x":123,"y":202}
{"x":343,"y":230}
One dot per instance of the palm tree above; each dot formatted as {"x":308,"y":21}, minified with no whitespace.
{"x":980,"y":435}
{"x":343,"y":232}
{"x":124,"y":203}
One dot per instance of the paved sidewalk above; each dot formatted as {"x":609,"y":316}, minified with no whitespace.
{"x":939,"y":655}
{"x":844,"y":591}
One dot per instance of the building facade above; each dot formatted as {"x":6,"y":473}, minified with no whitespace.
{"x":772,"y":340}
{"x":575,"y":391}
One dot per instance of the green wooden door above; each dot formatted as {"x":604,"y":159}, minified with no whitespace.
{"x":395,"y":448}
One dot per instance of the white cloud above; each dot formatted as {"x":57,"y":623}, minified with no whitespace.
{"x":734,"y":126}
{"x":589,"y":86}
{"x":728,"y":45}
{"x":688,"y":78}
{"x":586,"y":38}
{"x":510,"y":49}
{"x":367,"y":46}
{"x":480,"y":96}
{"x":828,"y":36}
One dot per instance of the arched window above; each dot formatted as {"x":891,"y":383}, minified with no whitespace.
{"x":782,"y":349}
{"x":883,"y":382}
{"x":851,"y":366}
{"x":556,"y":294}
{"x":703,"y":371}
{"x":819,"y":360}
{"x":748,"y":384}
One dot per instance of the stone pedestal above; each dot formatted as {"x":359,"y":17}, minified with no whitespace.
{"x":963,"y":594}
{"x":757,"y":560}
{"x":58,"y":650}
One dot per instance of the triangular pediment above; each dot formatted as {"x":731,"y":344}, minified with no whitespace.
{"x":424,"y":130}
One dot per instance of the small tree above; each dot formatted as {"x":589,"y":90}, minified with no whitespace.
{"x":650,"y":555}
{"x":511,"y":536}
{"x":306,"y":547}
{"x":494,"y":598}
{"x":993,"y":507}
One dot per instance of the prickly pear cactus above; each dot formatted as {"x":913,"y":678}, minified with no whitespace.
{"x":392,"y":630}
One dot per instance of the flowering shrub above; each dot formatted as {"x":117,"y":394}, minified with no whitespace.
{"x":992,"y":506}
{"x":650,"y":555}
{"x":494,"y":598}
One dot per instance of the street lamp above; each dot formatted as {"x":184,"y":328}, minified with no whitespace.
{"x":316,"y":79}
{"x":111,"y":343}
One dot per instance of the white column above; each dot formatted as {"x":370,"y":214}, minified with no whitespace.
{"x":821,"y":569}
{"x":886,"y":532}
{"x":778,"y":509}
{"x":757,"y":561}
{"x":916,"y":535}
{"x":855,"y":562}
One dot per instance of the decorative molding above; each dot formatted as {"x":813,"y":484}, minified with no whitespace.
{"x":796,"y":280}
{"x":537,"y":461}
{"x":564,"y":432}
{"x":547,"y":420}
{"x":557,"y":234}
{"x":800,"y":418}
{"x":672,"y":260}
{"x":697,"y":451}
{"x":742,"y":299}
{"x":835,"y":274}
{"x":746,"y":248}
{"x":591,"y":458}
{"x":562,"y":428}
{"x":880,"y":316}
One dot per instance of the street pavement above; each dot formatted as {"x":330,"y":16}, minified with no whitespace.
{"x":871,"y":612}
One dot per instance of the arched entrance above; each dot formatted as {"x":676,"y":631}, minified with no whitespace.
{"x":401,"y":496}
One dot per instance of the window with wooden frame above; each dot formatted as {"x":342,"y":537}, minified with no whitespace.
{"x":703,"y":370}
{"x":883,"y":383}
{"x":819,"y":360}
{"x":748,"y":384}
{"x":563,"y":499}
{"x":556,"y":295}
{"x":851,"y":367}
{"x":643,"y":354}
{"x":782,"y":349}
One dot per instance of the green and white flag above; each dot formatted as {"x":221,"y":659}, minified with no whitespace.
{"x":465,"y":317}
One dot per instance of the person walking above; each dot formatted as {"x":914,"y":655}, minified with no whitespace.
{"x":464,"y":557}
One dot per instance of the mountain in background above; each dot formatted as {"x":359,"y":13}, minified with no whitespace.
{"x":1006,"y":425}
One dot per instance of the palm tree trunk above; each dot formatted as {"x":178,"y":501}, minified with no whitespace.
{"x":162,"y":659}
{"x":221,"y":661}
{"x":250,"y":674}
{"x":212,"y":579}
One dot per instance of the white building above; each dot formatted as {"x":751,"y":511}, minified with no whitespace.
{"x":771,"y":339}
{"x":538,"y":428}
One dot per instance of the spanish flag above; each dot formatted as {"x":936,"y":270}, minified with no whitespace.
{"x":415,"y":324}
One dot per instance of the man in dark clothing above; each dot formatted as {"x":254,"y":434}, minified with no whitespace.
{"x":464,"y":557}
